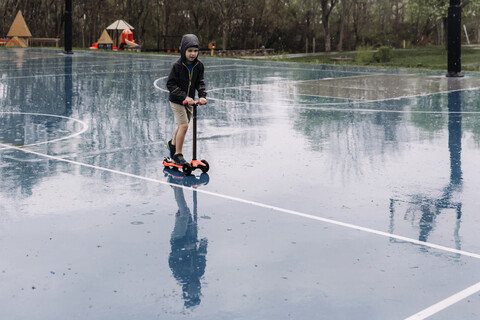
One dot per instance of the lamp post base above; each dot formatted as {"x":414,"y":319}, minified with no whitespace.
{"x":454,"y":74}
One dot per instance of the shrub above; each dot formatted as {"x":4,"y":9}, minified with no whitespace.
{"x":365,"y":54}
{"x":384,"y":54}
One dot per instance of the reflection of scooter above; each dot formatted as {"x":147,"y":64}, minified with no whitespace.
{"x":187,"y":258}
{"x":187,"y":168}
{"x":176,"y":177}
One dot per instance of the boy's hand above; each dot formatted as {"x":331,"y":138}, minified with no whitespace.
{"x":189,"y":100}
{"x":202,"y":101}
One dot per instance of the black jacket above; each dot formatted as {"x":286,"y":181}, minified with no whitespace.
{"x":180,"y":82}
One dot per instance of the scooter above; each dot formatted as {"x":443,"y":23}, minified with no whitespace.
{"x":187,"y":168}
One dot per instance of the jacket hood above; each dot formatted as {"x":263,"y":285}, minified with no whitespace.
{"x":188,"y":41}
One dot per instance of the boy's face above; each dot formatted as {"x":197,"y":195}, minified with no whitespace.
{"x":191,"y":54}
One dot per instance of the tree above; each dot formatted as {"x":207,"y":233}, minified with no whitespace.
{"x":327,"y":7}
{"x":343,"y":21}
{"x":227,"y":12}
{"x":425,"y":16}
{"x":285,"y":25}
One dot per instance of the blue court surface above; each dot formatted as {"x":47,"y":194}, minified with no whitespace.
{"x":333,"y":192}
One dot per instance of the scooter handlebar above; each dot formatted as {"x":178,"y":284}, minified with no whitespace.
{"x":196,"y":103}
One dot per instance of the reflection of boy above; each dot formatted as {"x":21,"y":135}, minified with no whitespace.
{"x":186,"y":76}
{"x":187,"y":260}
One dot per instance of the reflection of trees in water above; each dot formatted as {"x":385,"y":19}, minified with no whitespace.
{"x":128,"y":119}
{"x":20,"y":173}
{"x":22,"y":91}
{"x":354,"y":138}
{"x":471,"y":102}
{"x":359,"y":138}
{"x":18,"y":169}
{"x":121,"y":110}
{"x":431,"y":124}
{"x":237,"y":115}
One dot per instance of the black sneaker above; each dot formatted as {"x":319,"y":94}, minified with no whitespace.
{"x":172,"y":148}
{"x":178,"y":158}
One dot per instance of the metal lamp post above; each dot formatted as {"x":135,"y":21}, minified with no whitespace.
{"x":68,"y":27}
{"x":454,"y":39}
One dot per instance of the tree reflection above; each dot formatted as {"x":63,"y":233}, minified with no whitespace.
{"x":356,"y":139}
{"x":128,"y":119}
{"x":18,"y":128}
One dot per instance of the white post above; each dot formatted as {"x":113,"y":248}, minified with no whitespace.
{"x":466,"y":34}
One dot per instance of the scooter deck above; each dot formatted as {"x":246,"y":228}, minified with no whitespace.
{"x":188,"y":167}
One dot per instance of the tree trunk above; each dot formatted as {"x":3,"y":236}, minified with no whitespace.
{"x":165,"y":25}
{"x":327,"y":7}
{"x":477,"y":30}
{"x":397,"y":20}
{"x":439,"y":34}
{"x":224,"y":37}
{"x":328,"y":40}
{"x":342,"y":25}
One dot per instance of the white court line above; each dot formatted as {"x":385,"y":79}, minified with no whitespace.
{"x":76,"y":74}
{"x":312,"y":106}
{"x":258,"y":204}
{"x":436,"y":308}
{"x":210,"y":67}
{"x":359,"y":100}
{"x":84,"y":127}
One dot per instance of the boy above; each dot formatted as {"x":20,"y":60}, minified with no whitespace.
{"x":186,"y":76}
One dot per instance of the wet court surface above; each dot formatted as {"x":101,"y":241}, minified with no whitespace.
{"x":333,"y":192}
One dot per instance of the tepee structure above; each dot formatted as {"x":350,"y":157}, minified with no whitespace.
{"x":105,"y":41}
{"x":18,"y":32}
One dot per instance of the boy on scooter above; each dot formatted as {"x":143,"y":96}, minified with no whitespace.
{"x":186,"y":76}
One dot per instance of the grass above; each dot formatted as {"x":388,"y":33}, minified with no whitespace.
{"x":432,"y":57}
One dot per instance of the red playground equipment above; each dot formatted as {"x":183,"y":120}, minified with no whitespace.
{"x":127,"y":42}
{"x":127,"y":34}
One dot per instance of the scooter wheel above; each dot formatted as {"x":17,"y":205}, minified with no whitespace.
{"x":206,"y":167}
{"x":187,"y":170}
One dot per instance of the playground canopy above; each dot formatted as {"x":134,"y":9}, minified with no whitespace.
{"x":19,"y":27}
{"x":120,"y":25}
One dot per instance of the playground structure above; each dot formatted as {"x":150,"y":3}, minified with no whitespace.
{"x":104,"y":42}
{"x":19,"y":35}
{"x":127,"y":43}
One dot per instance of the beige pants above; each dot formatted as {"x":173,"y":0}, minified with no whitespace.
{"x":181,"y":113}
